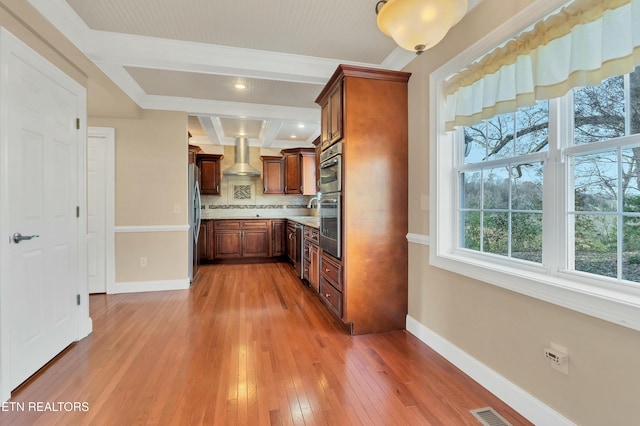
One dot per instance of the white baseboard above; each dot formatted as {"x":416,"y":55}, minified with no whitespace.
{"x":533,"y":409}
{"x":143,"y":286}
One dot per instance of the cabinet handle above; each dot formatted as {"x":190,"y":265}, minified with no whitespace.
{"x":327,"y":295}
{"x":326,"y":270}
{"x":300,"y":188}
{"x":217,"y":188}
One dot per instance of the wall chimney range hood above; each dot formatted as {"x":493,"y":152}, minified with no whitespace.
{"x":242,"y":166}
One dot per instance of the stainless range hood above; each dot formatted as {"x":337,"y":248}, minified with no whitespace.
{"x":242,"y":166}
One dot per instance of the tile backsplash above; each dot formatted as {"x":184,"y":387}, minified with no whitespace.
{"x":243,"y":197}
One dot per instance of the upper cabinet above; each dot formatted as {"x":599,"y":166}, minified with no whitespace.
{"x":293,"y":173}
{"x":193,"y":152}
{"x":299,"y":171}
{"x":332,"y":116}
{"x":209,"y":165}
{"x":273,"y":174}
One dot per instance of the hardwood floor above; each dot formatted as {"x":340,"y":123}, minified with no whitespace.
{"x":246,"y":345}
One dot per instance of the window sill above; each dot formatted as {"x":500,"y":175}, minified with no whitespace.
{"x":616,"y":303}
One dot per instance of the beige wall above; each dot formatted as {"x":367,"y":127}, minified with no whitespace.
{"x":504,"y":330}
{"x":151,"y":190}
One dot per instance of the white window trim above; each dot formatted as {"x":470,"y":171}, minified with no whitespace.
{"x":580,"y":292}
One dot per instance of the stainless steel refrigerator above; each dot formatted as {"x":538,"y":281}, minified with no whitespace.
{"x":195,"y":216}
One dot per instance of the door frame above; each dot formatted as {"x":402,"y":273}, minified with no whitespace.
{"x":11,"y":45}
{"x":108,"y":135}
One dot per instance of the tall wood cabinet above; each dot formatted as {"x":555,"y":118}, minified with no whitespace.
{"x":371,"y":280}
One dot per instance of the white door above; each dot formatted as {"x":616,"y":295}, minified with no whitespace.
{"x":42,"y":192}
{"x":96,"y":214}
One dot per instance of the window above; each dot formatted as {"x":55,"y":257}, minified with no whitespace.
{"x":544,"y":201}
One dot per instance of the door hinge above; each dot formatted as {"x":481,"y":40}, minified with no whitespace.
{"x":77,"y":211}
{"x":78,"y":299}
{"x":78,"y":123}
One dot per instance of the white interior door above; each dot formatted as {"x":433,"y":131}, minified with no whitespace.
{"x":42,"y":145}
{"x":96,"y":214}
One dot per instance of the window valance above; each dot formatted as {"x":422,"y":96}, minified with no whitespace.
{"x":584,"y":43}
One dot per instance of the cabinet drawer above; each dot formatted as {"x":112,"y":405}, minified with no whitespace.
{"x":331,"y":270}
{"x":312,"y":234}
{"x":255,"y":224}
{"x":331,"y":296}
{"x":227,"y":224}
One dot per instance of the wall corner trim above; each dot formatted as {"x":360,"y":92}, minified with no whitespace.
{"x":421,"y":239}
{"x":143,"y":286}
{"x":527,"y":405}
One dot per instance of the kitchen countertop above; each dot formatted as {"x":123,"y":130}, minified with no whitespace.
{"x":312,"y":221}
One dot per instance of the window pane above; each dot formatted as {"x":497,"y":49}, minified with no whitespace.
{"x":634,"y":92}
{"x":471,"y":230}
{"x":526,"y":186}
{"x":596,"y":245}
{"x":526,"y":238}
{"x":631,"y":176}
{"x":631,"y":249}
{"x":599,"y":111}
{"x":596,"y":182}
{"x":533,"y":128}
{"x":471,"y":190}
{"x":496,"y":188}
{"x":500,"y":131}
{"x":496,"y":233}
{"x":475,"y":143}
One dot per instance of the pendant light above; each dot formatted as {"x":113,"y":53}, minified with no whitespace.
{"x":418,"y":25}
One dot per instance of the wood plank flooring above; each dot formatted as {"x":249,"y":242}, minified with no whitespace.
{"x":246,"y":345}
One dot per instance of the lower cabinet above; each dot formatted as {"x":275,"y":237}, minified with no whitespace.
{"x":278,"y":237}
{"x":291,"y":243}
{"x":312,"y":257}
{"x":331,"y":283}
{"x":234,"y":239}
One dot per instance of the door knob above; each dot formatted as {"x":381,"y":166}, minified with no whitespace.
{"x":17,"y":237}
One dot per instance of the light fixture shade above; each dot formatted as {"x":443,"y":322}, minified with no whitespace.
{"x":417,"y":25}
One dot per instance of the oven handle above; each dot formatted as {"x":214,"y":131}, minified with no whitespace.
{"x":328,"y":164}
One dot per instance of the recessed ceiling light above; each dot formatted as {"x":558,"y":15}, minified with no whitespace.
{"x":293,"y":136}
{"x":301,"y":126}
{"x":240,"y":86}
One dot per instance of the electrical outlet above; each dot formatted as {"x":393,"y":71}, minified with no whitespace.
{"x":558,"y":358}
{"x":143,"y":262}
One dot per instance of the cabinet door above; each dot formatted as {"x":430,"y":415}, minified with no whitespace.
{"x":203,"y":240}
{"x":278,"y":235}
{"x":335,"y":102}
{"x":325,"y":121}
{"x":255,"y":243}
{"x":314,"y":267}
{"x":293,"y":177}
{"x":228,"y":244}
{"x":273,"y":175}
{"x":291,"y":244}
{"x":209,"y":165}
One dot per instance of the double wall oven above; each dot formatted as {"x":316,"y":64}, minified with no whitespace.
{"x":330,"y":203}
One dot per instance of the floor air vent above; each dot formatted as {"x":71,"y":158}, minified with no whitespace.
{"x":488,"y":417}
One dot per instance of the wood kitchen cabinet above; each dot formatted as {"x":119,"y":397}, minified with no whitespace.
{"x":235,"y":239}
{"x":331,"y":283}
{"x":299,"y":171}
{"x":311,"y":271}
{"x":278,"y":237}
{"x":204,"y":240}
{"x":331,"y":116}
{"x":367,"y":110}
{"x":291,"y":243}
{"x":273,"y":174}
{"x":210,"y":177}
